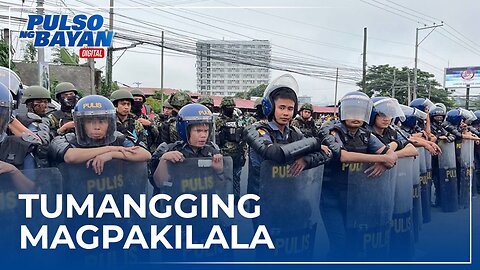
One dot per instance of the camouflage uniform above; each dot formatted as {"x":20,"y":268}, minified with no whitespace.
{"x":150,"y":133}
{"x":307,"y":127}
{"x":38,"y":124}
{"x":130,"y":127}
{"x":259,"y":116}
{"x":228,"y":133}
{"x":168,"y":129}
{"x":64,"y":115}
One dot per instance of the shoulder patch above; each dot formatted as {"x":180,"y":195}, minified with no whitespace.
{"x":261,"y":131}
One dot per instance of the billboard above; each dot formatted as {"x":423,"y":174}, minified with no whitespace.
{"x":460,"y":77}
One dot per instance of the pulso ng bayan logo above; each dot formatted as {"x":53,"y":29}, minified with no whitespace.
{"x":81,"y":31}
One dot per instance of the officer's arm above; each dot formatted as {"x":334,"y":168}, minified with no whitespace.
{"x":280,"y":153}
{"x":17,"y":128}
{"x":137,"y":154}
{"x":408,"y":151}
{"x":80,"y":155}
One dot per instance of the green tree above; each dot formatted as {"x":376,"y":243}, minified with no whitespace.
{"x":380,"y":81}
{"x":254,"y":92}
{"x":104,"y":90}
{"x":65,"y":57}
{"x":4,"y":55}
{"x":30,"y":54}
{"x":154,"y":103}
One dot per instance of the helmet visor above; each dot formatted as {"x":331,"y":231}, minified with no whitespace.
{"x":10,"y":79}
{"x":429,"y":104}
{"x":469,"y":116}
{"x":390,"y":108}
{"x":409,"y":111}
{"x":5,"y":112}
{"x":95,"y":129}
{"x":285,"y":80}
{"x":355,"y":107}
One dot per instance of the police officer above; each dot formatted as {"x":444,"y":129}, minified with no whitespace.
{"x":207,"y":102}
{"x":304,"y":121}
{"x":194,"y":123}
{"x":277,"y":140}
{"x":126,"y":123}
{"x":139,"y":110}
{"x":358,"y":146}
{"x":61,"y":121}
{"x":15,"y":150}
{"x":229,"y":138}
{"x":36,"y":98}
{"x":96,"y":140}
{"x":168,"y":131}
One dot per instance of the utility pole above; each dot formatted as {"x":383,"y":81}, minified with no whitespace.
{"x":110,"y":51}
{"x":364,"y":59}
{"x":42,"y":66}
{"x":409,"y":95}
{"x":138,"y":84}
{"x":393,"y":84}
{"x":467,"y":99}
{"x":161,"y":75}
{"x":416,"y":54}
{"x":91,"y":64}
{"x":335,"y":102}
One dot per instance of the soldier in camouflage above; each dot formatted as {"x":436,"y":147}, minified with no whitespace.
{"x":36,"y":98}
{"x":229,"y":139}
{"x":168,"y":130}
{"x":150,"y":129}
{"x":258,"y":116}
{"x":61,"y":122}
{"x":207,"y":102}
{"x":305,"y":122}
{"x":126,"y":123}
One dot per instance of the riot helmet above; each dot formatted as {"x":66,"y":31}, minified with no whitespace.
{"x":438,"y":111}
{"x":422,"y":104}
{"x":386,"y":107}
{"x":6,"y":108}
{"x":95,"y":121}
{"x":13,"y":82}
{"x":193,"y":115}
{"x":283,"y":84}
{"x":476,"y":121}
{"x":355,"y":105}
{"x":412,"y":115}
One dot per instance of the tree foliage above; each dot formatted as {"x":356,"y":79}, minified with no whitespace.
{"x":254,"y":92}
{"x":65,"y":57}
{"x":30,"y":54}
{"x":104,"y":90}
{"x":388,"y":81}
{"x":4,"y":55}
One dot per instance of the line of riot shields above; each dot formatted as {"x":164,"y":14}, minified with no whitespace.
{"x":384,"y":214}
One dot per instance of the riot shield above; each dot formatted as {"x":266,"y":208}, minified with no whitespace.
{"x":289,"y":210}
{"x":427,"y":189}
{"x":401,"y":237}
{"x":447,"y":177}
{"x":370,"y":203}
{"x":417,"y":202}
{"x":48,"y":183}
{"x":118,"y":178}
{"x":466,"y":173}
{"x":195,"y":176}
{"x":426,"y":185}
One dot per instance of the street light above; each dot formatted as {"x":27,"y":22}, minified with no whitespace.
{"x":416,"y":54}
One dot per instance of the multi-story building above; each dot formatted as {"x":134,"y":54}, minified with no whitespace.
{"x":225,"y":68}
